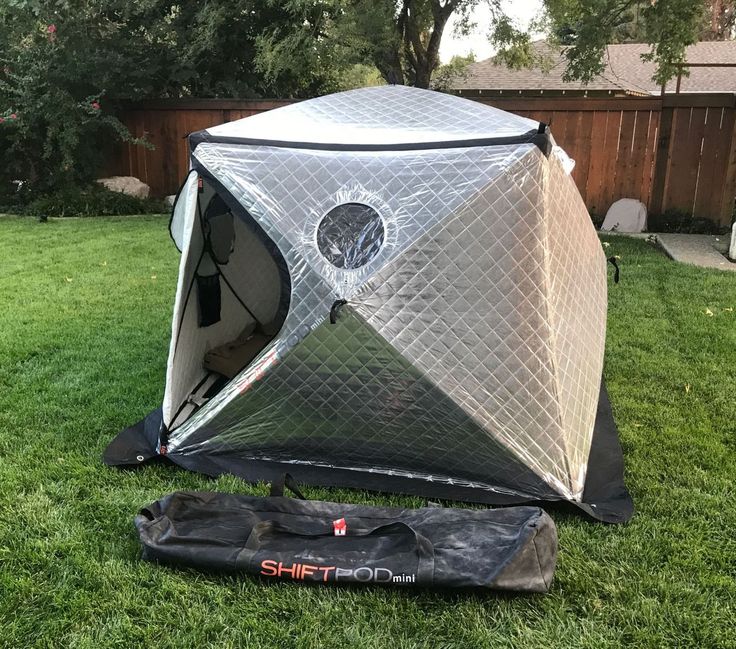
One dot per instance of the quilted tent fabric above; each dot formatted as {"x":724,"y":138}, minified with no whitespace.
{"x":383,"y":115}
{"x":467,"y":357}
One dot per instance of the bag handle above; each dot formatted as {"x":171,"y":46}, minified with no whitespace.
{"x":424,"y":547}
{"x":285,"y":480}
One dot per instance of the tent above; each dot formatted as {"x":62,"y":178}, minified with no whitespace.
{"x":392,"y":289}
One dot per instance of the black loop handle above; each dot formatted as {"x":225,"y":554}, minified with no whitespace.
{"x":424,"y":547}
{"x":337,"y":305}
{"x":285,"y":481}
{"x":614,"y":262}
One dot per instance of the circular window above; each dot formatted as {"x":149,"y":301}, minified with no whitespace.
{"x":350,"y":235}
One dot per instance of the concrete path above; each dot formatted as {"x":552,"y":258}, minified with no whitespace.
{"x":704,"y":250}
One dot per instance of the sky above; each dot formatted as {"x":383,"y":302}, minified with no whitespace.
{"x":520,"y":10}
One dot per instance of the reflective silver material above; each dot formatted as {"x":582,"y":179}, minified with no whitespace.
{"x":380,"y":115}
{"x":470,"y":351}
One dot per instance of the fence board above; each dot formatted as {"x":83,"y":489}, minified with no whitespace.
{"x":645,"y":188}
{"x":728,"y":191}
{"x":677,"y":151}
{"x":712,"y":167}
{"x":584,"y":137}
{"x":609,"y":151}
{"x":689,"y":126}
{"x":636,"y":149}
{"x":624,"y":158}
{"x":593,"y":191}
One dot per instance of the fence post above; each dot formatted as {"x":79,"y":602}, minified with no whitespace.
{"x":729,"y":186}
{"x":662,"y":159}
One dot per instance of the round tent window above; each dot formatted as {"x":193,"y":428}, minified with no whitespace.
{"x":350,"y":235}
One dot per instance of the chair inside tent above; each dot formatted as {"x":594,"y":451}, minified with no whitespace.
{"x":390,"y":289}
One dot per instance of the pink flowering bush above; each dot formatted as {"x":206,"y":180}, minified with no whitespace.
{"x":66,"y":67}
{"x":56,"y":120}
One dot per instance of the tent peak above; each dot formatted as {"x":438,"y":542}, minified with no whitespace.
{"x":378,"y":116}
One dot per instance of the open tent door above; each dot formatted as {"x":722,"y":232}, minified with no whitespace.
{"x":231,"y":297}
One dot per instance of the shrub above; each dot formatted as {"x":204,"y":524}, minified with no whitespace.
{"x":674,"y":220}
{"x":89,"y":201}
{"x":56,"y":61}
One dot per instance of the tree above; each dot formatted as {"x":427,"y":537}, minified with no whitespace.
{"x":53,"y":73}
{"x":65,"y":66}
{"x":720,"y":20}
{"x":564,"y":18}
{"x":669,"y":26}
{"x":402,"y":37}
{"x":447,"y":73}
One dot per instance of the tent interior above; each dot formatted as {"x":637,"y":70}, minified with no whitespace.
{"x":231,"y":298}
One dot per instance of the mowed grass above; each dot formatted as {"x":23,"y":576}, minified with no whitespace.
{"x":84,"y":329}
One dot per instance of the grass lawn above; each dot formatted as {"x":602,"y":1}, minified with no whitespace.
{"x":84,"y":330}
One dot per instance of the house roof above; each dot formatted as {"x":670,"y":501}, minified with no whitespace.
{"x":624,"y":72}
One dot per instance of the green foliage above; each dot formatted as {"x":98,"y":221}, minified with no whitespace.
{"x":255,"y":48}
{"x":56,"y":60}
{"x":566,"y":19}
{"x":447,"y":73}
{"x":94,"y":200}
{"x":671,"y":25}
{"x":359,"y":75}
{"x":400,"y":38}
{"x":66,"y":66}
{"x":674,"y":220}
{"x":85,"y":320}
{"x":514,"y":46}
{"x":588,"y":26}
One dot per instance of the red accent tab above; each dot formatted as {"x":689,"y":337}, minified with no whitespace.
{"x":340,"y":527}
{"x":200,"y":184}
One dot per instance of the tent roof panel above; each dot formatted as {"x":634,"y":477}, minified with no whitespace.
{"x":381,"y":115}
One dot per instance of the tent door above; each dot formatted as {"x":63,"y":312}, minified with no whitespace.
{"x":231,"y":301}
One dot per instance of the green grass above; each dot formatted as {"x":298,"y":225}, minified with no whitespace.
{"x":84,"y":328}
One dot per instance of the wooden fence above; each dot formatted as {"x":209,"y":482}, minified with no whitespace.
{"x":678,"y":151}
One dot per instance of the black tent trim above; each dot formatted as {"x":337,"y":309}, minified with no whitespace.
{"x":540,"y":137}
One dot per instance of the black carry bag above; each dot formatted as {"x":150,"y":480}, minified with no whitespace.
{"x":512,"y":548}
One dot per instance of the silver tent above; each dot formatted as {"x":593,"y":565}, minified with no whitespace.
{"x":388,"y":288}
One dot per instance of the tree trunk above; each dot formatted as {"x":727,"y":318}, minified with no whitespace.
{"x":389,"y":65}
{"x":425,"y":58}
{"x":423,"y":75}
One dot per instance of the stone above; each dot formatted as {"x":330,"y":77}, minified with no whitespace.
{"x":626,"y":215}
{"x":732,"y":248}
{"x":127,"y":185}
{"x":170,"y":200}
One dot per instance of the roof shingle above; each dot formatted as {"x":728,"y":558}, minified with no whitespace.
{"x":625,"y":72}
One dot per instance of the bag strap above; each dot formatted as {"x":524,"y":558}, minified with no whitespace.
{"x":285,"y":480}
{"x":423,"y":546}
{"x":617,"y":273}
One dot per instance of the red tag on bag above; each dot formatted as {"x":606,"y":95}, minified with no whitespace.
{"x":340,"y":527}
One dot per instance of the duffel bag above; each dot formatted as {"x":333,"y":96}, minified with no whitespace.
{"x":512,"y":548}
